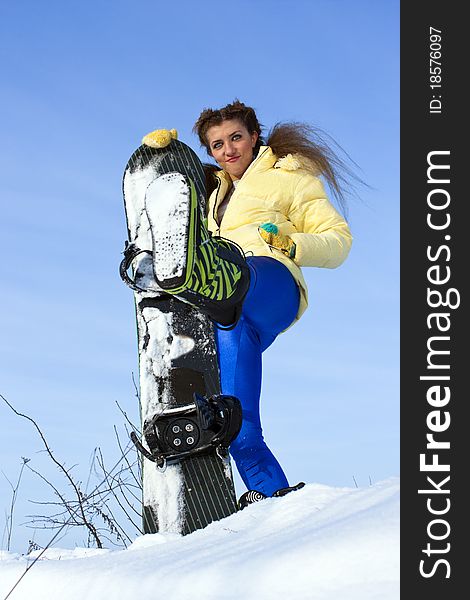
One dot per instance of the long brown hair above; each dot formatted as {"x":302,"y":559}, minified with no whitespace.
{"x":315,"y":146}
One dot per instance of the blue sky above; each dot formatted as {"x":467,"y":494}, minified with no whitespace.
{"x":81,"y":83}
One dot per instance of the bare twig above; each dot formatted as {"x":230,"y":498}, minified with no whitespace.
{"x":14,"y":496}
{"x":123,"y":412}
{"x":61,"y":467}
{"x":138,"y":480}
{"x":119,"y":487}
{"x":119,"y":484}
{"x":52,"y":540}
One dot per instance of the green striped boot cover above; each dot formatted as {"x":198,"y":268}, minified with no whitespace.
{"x":209,"y":272}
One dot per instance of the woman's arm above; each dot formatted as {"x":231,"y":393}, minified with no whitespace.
{"x":323,"y":238}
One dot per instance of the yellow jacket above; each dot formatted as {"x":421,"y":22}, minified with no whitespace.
{"x":284,"y":192}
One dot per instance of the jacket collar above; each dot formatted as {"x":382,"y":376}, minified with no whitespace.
{"x":265,"y":160}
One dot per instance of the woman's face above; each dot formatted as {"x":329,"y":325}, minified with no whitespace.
{"x":232,"y":145}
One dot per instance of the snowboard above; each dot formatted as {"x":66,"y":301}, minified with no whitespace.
{"x":178,"y":368}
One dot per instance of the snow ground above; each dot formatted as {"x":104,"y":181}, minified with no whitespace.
{"x":320,"y":543}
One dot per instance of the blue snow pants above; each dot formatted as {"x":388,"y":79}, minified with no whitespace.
{"x":270,"y":306}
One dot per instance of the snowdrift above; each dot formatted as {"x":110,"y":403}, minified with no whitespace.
{"x":320,"y":543}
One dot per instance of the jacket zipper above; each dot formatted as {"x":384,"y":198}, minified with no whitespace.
{"x":214,"y":212}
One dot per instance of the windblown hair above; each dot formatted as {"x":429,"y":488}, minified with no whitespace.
{"x":317,"y":149}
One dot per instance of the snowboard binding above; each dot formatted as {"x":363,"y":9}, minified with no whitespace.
{"x":131,"y":252}
{"x":191,"y":429}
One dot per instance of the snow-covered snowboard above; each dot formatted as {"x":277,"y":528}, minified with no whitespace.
{"x":178,"y":370}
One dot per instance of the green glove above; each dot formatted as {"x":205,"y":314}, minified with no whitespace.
{"x":270,"y":234}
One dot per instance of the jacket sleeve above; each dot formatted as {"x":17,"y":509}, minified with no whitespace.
{"x":323,"y":238}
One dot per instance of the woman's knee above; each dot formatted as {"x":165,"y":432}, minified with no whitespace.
{"x":272,"y":287}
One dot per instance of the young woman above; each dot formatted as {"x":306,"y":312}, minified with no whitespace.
{"x":268,"y":199}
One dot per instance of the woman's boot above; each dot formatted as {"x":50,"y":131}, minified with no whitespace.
{"x":208,"y":272}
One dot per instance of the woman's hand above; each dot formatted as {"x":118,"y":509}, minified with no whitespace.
{"x":270,"y":234}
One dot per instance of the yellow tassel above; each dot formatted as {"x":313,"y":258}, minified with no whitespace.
{"x":160,"y":138}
